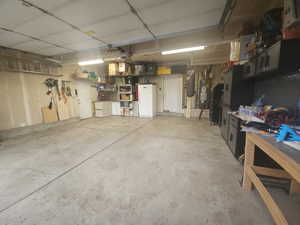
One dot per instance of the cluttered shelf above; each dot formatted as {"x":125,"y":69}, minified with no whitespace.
{"x":133,"y":75}
{"x":142,"y":75}
{"x":278,"y":123}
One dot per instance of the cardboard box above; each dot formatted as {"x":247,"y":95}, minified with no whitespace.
{"x":49,"y":115}
{"x":163,"y":70}
{"x":139,"y":69}
{"x":113,"y":69}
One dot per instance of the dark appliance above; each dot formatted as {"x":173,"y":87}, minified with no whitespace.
{"x":215,"y":112}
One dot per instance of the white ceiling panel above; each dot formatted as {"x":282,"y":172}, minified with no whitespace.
{"x":32,"y":45}
{"x":176,"y":10}
{"x":83,"y":13}
{"x":84,"y":45}
{"x":9,"y":39}
{"x":42,"y":26}
{"x":116,"y":25}
{"x":187,"y":24}
{"x":52,"y":5}
{"x":130,"y":37}
{"x":51,"y":51}
{"x":13,"y":13}
{"x":67,"y":37}
{"x":112,"y":21}
{"x":142,"y":4}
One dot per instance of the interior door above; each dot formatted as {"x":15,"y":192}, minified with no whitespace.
{"x":173,"y":94}
{"x":85,"y":99}
{"x":159,"y":81}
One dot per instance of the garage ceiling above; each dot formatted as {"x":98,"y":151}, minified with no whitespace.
{"x":75,"y":25}
{"x":212,"y":54}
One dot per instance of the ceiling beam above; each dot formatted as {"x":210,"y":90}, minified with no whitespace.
{"x":134,"y":12}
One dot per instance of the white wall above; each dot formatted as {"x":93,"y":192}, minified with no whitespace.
{"x":23,"y":95}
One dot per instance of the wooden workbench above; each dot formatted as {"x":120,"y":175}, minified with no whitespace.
{"x":287,"y":157}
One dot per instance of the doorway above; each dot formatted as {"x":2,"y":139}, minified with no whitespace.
{"x":172,"y":94}
{"x":85,"y":99}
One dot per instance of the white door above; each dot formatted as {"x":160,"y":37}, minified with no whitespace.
{"x":147,"y":101}
{"x":159,"y":81}
{"x":85,"y":99}
{"x":173,"y":94}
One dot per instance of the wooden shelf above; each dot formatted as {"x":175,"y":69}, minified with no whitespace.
{"x":143,"y":75}
{"x":132,"y":75}
{"x":35,"y":73}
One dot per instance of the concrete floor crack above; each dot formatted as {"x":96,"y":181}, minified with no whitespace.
{"x":72,"y":168}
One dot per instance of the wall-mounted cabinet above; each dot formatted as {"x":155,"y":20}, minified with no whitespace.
{"x":282,"y":58}
{"x":249,"y":69}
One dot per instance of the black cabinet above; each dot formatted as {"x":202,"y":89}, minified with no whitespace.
{"x":279,"y":59}
{"x":268,"y":61}
{"x":225,"y":123}
{"x":215,"y":106}
{"x":236,"y":90}
{"x":236,"y":138}
{"x":249,"y":70}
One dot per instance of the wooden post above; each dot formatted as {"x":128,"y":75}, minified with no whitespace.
{"x":294,"y":187}
{"x":249,"y":161}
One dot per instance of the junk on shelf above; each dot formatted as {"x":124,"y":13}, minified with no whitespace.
{"x":119,"y":69}
{"x":88,"y":75}
{"x":280,"y":122}
{"x":126,"y":99}
{"x":106,"y":87}
{"x":127,"y":69}
{"x":276,"y":24}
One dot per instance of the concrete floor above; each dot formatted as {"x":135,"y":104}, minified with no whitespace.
{"x":127,"y":171}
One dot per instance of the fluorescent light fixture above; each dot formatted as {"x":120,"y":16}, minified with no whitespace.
{"x":111,"y":59}
{"x":183,"y":50}
{"x":90,"y":62}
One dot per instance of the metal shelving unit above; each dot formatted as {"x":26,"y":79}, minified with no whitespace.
{"x":126,"y":105}
{"x":132,"y":75}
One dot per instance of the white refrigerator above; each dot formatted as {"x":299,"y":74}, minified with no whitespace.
{"x":147,"y":100}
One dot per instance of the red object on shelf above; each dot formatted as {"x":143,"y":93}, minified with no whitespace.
{"x":292,"y":33}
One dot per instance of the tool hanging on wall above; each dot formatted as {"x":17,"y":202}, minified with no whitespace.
{"x":51,"y":83}
{"x":63,"y":91}
{"x":51,"y":103}
{"x":198,"y":90}
{"x":190,"y":83}
{"x":69,"y":92}
{"x":205,"y":86}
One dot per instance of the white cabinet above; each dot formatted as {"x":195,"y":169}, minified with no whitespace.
{"x":103,"y":109}
{"x":116,"y":110}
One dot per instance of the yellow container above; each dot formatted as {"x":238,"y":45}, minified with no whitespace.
{"x":163,"y":70}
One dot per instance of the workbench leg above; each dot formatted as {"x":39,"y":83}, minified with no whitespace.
{"x":294,"y":187}
{"x":249,"y":161}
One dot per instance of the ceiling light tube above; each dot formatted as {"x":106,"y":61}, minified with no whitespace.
{"x":90,"y":62}
{"x":198,"y":48}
